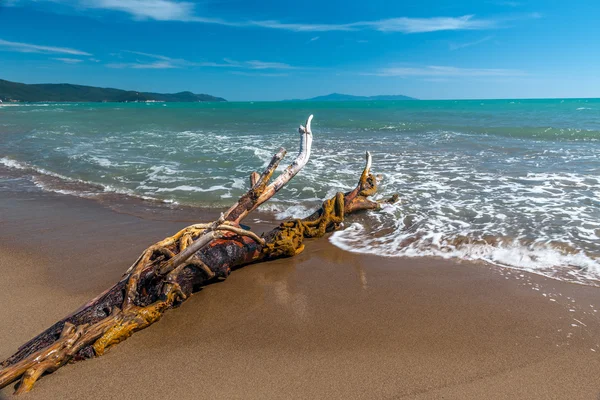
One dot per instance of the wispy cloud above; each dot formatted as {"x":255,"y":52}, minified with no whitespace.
{"x":402,"y":25}
{"x":160,"y":10}
{"x":68,"y":60}
{"x":173,"y":10}
{"x":157,"y":61}
{"x":147,"y":65}
{"x":256,"y":64}
{"x":420,"y":25}
{"x":158,"y":56}
{"x":445,"y":71}
{"x":313,"y":39}
{"x":299,"y":27}
{"x":456,"y":46}
{"x":35,"y":48}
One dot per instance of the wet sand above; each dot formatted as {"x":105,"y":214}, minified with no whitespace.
{"x":326,"y":324}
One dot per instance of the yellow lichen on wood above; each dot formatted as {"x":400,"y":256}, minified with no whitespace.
{"x":133,"y":319}
{"x":288,"y":241}
{"x":368,"y":185}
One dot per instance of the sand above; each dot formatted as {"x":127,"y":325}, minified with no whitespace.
{"x":327,"y":324}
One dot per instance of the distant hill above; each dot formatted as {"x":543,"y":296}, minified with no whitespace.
{"x":13,"y":91}
{"x":348,"y":97}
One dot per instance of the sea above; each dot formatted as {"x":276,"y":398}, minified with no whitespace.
{"x":514,"y":183}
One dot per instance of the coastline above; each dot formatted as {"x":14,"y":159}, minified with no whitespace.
{"x":328,"y":323}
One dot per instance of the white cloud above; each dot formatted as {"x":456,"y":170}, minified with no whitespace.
{"x":255,"y":64}
{"x":158,"y":56}
{"x":297,"y":27}
{"x":420,"y":25}
{"x":456,"y":46}
{"x":160,"y":10}
{"x":213,"y":64}
{"x":149,"y":65}
{"x":69,"y":60}
{"x":403,"y":25}
{"x":444,"y":71}
{"x":174,"y":10}
{"x":252,"y":64}
{"x":34,"y":48}
{"x":164,"y":62}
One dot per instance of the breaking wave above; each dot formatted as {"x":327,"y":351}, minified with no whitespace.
{"x":513,"y":183}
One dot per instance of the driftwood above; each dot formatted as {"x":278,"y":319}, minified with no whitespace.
{"x":169,"y":271}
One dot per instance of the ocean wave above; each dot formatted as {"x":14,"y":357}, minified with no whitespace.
{"x":556,"y":260}
{"x":8,"y":162}
{"x":539,"y":258}
{"x":62,"y":184}
{"x":527,"y":175}
{"x":284,"y":211}
{"x":101,"y":161}
{"x":188,"y":188}
{"x":163,"y":174}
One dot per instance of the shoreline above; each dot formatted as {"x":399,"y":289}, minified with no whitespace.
{"x":327,"y":323}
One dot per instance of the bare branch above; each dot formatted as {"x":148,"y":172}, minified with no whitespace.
{"x":260,"y":192}
{"x":295,"y":167}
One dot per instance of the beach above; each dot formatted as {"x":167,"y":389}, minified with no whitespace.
{"x":325,"y":324}
{"x":299,"y":200}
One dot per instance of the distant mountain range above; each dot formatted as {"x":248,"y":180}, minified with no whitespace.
{"x":348,"y":97}
{"x":22,"y":92}
{"x":13,"y":91}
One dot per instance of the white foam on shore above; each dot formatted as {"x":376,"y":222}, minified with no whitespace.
{"x":188,"y":188}
{"x":539,"y":258}
{"x":87,"y":190}
{"x":541,"y":195}
{"x":287,"y":210}
{"x":7,"y":162}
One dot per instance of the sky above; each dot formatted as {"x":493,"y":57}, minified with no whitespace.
{"x":278,"y":49}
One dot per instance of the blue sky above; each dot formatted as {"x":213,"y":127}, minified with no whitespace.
{"x":279,"y":49}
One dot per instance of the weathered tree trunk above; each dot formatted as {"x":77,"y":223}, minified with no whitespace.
{"x":169,"y":271}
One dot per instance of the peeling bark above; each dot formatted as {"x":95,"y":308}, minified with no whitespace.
{"x":169,"y":271}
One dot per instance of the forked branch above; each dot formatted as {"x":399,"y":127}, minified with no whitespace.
{"x":260,"y":192}
{"x":168,"y":272}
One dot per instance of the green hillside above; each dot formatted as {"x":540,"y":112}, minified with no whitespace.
{"x":13,"y":91}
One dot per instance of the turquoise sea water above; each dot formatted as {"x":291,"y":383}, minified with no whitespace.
{"x":512,"y":182}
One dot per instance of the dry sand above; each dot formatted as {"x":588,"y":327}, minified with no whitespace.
{"x":327,"y":324}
